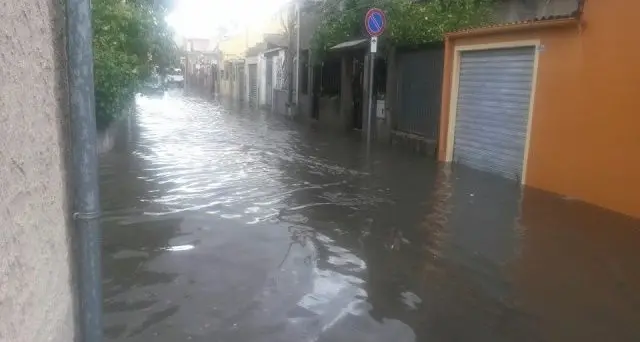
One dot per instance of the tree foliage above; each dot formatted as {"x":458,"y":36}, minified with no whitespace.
{"x":408,"y":22}
{"x":131,"y":39}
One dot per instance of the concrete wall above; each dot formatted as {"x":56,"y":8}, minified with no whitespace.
{"x":262,"y":80}
{"x":35,"y":279}
{"x":329,"y":112}
{"x":304,"y":107}
{"x":584,"y":140}
{"x":279,"y":105}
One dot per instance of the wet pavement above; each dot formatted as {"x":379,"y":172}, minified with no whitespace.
{"x":232,"y":225}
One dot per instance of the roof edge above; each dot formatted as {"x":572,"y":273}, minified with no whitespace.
{"x":514,"y":27}
{"x":274,"y":51}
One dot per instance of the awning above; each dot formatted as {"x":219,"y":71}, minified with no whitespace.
{"x":352,"y":44}
{"x":273,"y":52}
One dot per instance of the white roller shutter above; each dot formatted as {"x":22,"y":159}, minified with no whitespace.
{"x":493,"y":108}
{"x":253,"y":84}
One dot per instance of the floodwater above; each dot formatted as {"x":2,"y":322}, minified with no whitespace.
{"x":232,"y":225}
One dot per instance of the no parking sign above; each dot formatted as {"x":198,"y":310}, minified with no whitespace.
{"x":375,"y":22}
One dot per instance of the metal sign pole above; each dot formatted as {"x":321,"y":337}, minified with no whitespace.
{"x":374,"y":22}
{"x":372,"y":61}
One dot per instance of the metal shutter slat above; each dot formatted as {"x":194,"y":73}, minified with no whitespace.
{"x":253,"y":84}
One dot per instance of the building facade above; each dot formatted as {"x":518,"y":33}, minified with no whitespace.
{"x":200,"y":64}
{"x":234,"y":49}
{"x":36,"y":301}
{"x":550,"y":102}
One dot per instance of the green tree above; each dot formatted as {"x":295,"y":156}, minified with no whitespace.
{"x":131,"y":39}
{"x":408,"y":22}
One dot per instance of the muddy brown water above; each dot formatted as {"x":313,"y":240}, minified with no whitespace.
{"x":228,"y":224}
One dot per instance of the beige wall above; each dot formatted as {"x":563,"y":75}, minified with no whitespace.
{"x":236,"y":45}
{"x":199,"y":44}
{"x":35,"y":293}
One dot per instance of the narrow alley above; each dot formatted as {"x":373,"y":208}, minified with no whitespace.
{"x":228,"y":224}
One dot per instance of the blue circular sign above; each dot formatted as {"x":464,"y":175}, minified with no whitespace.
{"x":375,"y":21}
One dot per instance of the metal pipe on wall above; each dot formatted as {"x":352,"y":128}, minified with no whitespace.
{"x":86,"y":201}
{"x":290,"y":56}
{"x":297,"y":56}
{"x":370,"y":97}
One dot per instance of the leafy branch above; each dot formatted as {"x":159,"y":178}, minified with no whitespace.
{"x":408,"y":22}
{"x":131,"y":40}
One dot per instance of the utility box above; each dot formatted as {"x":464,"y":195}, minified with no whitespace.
{"x":380,"y":113}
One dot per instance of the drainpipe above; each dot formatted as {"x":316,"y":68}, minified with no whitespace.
{"x":297,"y":57}
{"x":290,"y":51}
{"x":85,"y":168}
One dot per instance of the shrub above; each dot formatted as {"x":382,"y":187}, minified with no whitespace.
{"x":131,"y":39}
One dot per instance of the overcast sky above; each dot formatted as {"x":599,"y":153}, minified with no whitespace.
{"x":202,"y":18}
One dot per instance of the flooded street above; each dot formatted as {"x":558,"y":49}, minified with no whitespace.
{"x":232,"y":225}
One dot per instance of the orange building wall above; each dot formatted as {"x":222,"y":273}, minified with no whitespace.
{"x":585,"y":134}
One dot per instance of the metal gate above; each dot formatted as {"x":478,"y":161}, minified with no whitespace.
{"x":420,"y":91}
{"x":253,"y":84}
{"x":269,"y":82}
{"x":492,"y":115}
{"x":316,"y":89}
{"x":242,"y":83}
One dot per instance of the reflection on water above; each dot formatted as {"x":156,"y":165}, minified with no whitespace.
{"x":225,"y":224}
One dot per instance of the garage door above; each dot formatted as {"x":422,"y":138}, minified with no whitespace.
{"x":241,"y":83}
{"x":493,"y":108}
{"x":253,"y":84}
